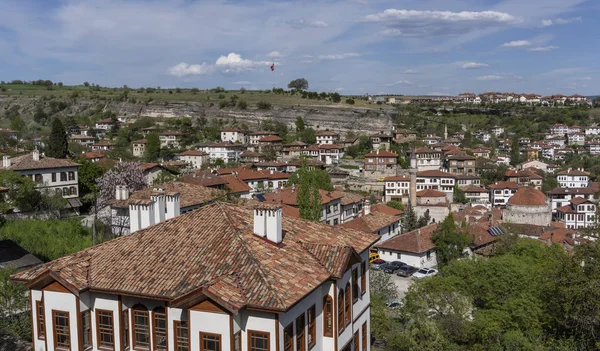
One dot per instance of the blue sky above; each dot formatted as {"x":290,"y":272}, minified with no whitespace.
{"x":438,"y":47}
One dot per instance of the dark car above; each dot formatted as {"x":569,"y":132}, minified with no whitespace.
{"x":406,"y":271}
{"x":393,"y":266}
{"x":377,"y":264}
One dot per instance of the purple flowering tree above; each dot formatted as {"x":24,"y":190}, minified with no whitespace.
{"x":129,"y":174}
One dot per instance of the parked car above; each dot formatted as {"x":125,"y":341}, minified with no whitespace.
{"x":425,"y":272}
{"x":393,"y":266}
{"x":377,"y":264}
{"x":394,"y":304}
{"x":406,"y":271}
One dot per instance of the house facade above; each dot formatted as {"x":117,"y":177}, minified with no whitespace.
{"x":380,"y":160}
{"x":327,"y":137}
{"x":578,"y":213}
{"x":500,"y":192}
{"x":170,"y":139}
{"x":234,"y":135}
{"x":196,"y":159}
{"x":139,"y":147}
{"x":319,"y":304}
{"x":414,"y":248}
{"x":396,"y":188}
{"x":573,"y":178}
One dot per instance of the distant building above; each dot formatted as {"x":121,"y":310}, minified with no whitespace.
{"x":573,"y":178}
{"x":196,"y":159}
{"x":170,"y":139}
{"x":380,"y":160}
{"x":139,"y":147}
{"x":234,"y":135}
{"x":327,"y":137}
{"x":461,"y":164}
{"x":528,"y":206}
{"x":379,"y":223}
{"x":500,"y":192}
{"x":396,"y":188}
{"x":434,"y":202}
{"x":414,"y":248}
{"x":103,"y":146}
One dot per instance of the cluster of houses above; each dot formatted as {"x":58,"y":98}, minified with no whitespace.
{"x":488,"y":97}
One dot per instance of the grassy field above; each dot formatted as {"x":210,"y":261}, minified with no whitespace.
{"x":172,"y":95}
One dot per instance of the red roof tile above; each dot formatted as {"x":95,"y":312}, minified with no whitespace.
{"x":416,"y":241}
{"x":528,"y":196}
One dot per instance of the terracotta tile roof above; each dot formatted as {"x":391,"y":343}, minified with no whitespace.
{"x":270,"y":138}
{"x":504,"y":185}
{"x":372,"y":222}
{"x":348,"y":198}
{"x":263,"y":132}
{"x":171,"y":132}
{"x":474,"y":189}
{"x":461,"y":158}
{"x":573,"y":172}
{"x":579,"y":200}
{"x":290,"y":211}
{"x":528,"y":196}
{"x":381,"y":153}
{"x":416,"y":241}
{"x":141,"y":141}
{"x":296,"y":143}
{"x":204,"y":178}
{"x":235,"y":185}
{"x":26,"y":162}
{"x":396,"y":178}
{"x":330,"y":147}
{"x":213,"y":252}
{"x":386,"y":209}
{"x":559,"y":236}
{"x":148,"y":166}
{"x":430,"y":193}
{"x":327,"y":133}
{"x":191,"y":194}
{"x":562,"y":191}
{"x":272,"y":175}
{"x":193,"y":153}
{"x":435,"y":173}
{"x":92,"y":155}
{"x":288,"y":196}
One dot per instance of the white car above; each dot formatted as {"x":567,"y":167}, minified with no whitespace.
{"x":424,"y":273}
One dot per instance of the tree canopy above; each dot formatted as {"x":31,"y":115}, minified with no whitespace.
{"x":58,"y":145}
{"x":298,"y":84}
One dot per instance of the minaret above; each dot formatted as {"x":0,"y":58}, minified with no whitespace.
{"x":413,"y":178}
{"x":445,"y":131}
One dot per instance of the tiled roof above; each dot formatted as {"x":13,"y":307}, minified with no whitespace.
{"x":26,"y":162}
{"x":386,"y":209}
{"x":327,"y":133}
{"x":191,"y":194}
{"x":213,"y":251}
{"x":416,"y":241}
{"x":573,"y":172}
{"x":461,"y":158}
{"x":372,"y":222}
{"x":330,"y":147}
{"x":232,"y":130}
{"x":381,"y":153}
{"x":474,"y":189}
{"x":396,"y":178}
{"x":104,"y":143}
{"x":274,"y":174}
{"x":204,"y":178}
{"x":235,"y":185}
{"x":288,"y":196}
{"x":270,"y":138}
{"x":141,"y":141}
{"x":148,"y":166}
{"x":435,"y":173}
{"x":528,"y":196}
{"x":92,"y":155}
{"x":430,"y":193}
{"x":349,"y":198}
{"x":425,"y":150}
{"x":562,"y":191}
{"x":504,"y":185}
{"x":579,"y":200}
{"x":193,"y":153}
{"x":263,"y":132}
{"x":171,"y":132}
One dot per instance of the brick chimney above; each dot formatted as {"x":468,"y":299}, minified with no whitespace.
{"x":268,"y":222}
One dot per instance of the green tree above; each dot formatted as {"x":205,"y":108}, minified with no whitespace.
{"x":22,"y":193}
{"x":321,"y":177}
{"x":14,"y":309}
{"x":308,"y":197}
{"x":459,"y":195}
{"x":308,"y":135}
{"x":152,"y":152}
{"x":335,"y":97}
{"x":58,"y":145}
{"x":515,"y":153}
{"x":298,"y":84}
{"x":449,"y":241}
{"x":424,"y":220}
{"x":410,"y":221}
{"x":300,"y":125}
{"x":88,"y":173}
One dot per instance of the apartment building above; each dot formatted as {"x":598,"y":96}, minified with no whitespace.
{"x":578,"y":213}
{"x":327,"y":137}
{"x":461,"y":164}
{"x":396,"y":188}
{"x":428,"y":159}
{"x":573,"y":178}
{"x":562,"y":196}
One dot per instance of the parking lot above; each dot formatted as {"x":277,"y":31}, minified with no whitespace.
{"x":402,"y":285}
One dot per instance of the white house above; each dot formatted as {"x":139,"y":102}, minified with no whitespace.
{"x":105,"y":124}
{"x":330,"y":153}
{"x":500,"y":192}
{"x":497,"y":130}
{"x":593,"y":147}
{"x":196,"y":159}
{"x":103,"y":146}
{"x":559,"y":129}
{"x":593,"y":130}
{"x":55,"y":175}
{"x":254,"y":137}
{"x":83,"y":139}
{"x":170,"y":139}
{"x":476,"y":194}
{"x":436,"y":180}
{"x":414,"y":248}
{"x":428,"y":159}
{"x":578,"y":213}
{"x":432,"y":139}
{"x":396,"y":188}
{"x":380,"y":223}
{"x":327,"y":137}
{"x":234,"y":135}
{"x":576,"y":138}
{"x":139,"y":147}
{"x":562,"y":196}
{"x":226,"y":151}
{"x":573,"y":178}
{"x":223,"y":277}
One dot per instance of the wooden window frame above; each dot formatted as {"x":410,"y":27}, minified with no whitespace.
{"x":210,"y":335}
{"x":341,"y":325}
{"x":125,"y":321}
{"x":348,"y":304}
{"x":288,"y":337}
{"x":87,"y":314}
{"x":363,"y":278}
{"x":364,"y":336}
{"x":311,"y":322}
{"x":237,"y":341}
{"x":354,"y":276}
{"x":154,"y":327}
{"x":301,"y":332}
{"x":257,"y":332}
{"x":137,"y":308}
{"x":356,"y":341}
{"x":99,"y":312}
{"x":176,"y":326}
{"x":54,"y":333}
{"x":41,"y":320}
{"x":328,"y":316}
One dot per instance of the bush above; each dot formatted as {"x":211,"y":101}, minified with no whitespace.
{"x":350,"y":101}
{"x":221,"y":96}
{"x":242,"y":105}
{"x":218,"y":90}
{"x":263,"y":105}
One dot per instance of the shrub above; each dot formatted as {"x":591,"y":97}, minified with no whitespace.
{"x":350,"y":101}
{"x":242,"y":105}
{"x":263,"y":105}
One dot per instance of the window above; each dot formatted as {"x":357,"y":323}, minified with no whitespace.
{"x":327,"y":316}
{"x":237,"y":341}
{"x":71,"y":175}
{"x":125,"y":329}
{"x":105,"y":330}
{"x":53,"y":177}
{"x":363,"y":277}
{"x":65,"y":191}
{"x":398,"y":255}
{"x":364,"y":336}
{"x":355,"y":285}
{"x":86,"y":320}
{"x":63,"y":176}
{"x":355,"y":341}
{"x":288,"y":338}
{"x":312,"y":327}
{"x":258,"y":341}
{"x":73,"y":190}
{"x":335,"y":221}
{"x":159,"y":328}
{"x":300,"y":336}
{"x":181,"y":336}
{"x":62,"y":334}
{"x":340,"y":311}
{"x":38,"y":178}
{"x":210,"y":342}
{"x":41,"y":319}
{"x":141,"y":327}
{"x":348,"y":304}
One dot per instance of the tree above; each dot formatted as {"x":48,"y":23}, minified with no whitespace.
{"x":449,"y":241}
{"x":424,"y":220}
{"x":459,"y":195}
{"x":350,"y":101}
{"x":14,"y":309}
{"x":515,"y":153}
{"x":152,"y":152}
{"x":308,"y":135}
{"x":58,"y":145}
{"x":321,"y":177}
{"x":86,"y":84}
{"x":410,"y":221}
{"x":298,"y":84}
{"x":335,"y":97}
{"x":242,"y":104}
{"x":395,"y":204}
{"x":88,"y":173}
{"x":300,"y":125}
{"x":263,"y":105}
{"x":308,"y":197}
{"x":128,"y":174}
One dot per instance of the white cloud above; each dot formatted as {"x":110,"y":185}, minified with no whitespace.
{"x":338,"y":56}
{"x":414,"y":23}
{"x":338,"y":89}
{"x":242,"y":82}
{"x":544,"y":48}
{"x":410,"y":71}
{"x":516,"y":44}
{"x":400,"y":82}
{"x":234,"y":64}
{"x":301,"y":23}
{"x":274,"y":55}
{"x":549,"y":22}
{"x":491,"y":77}
{"x":183,"y":69}
{"x":472,"y":65}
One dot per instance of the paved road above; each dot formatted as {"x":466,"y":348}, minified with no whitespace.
{"x":402,"y":285}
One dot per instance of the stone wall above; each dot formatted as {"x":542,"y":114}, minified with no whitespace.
{"x":537,"y":215}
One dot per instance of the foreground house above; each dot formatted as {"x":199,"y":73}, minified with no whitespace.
{"x":380,"y":223}
{"x":414,"y":248}
{"x":224,"y":277}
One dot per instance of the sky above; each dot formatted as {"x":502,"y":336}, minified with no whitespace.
{"x":410,"y":47}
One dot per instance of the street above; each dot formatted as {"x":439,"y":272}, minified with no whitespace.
{"x":402,"y":285}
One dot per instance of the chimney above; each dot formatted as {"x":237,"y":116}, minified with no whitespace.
{"x":367,"y":207}
{"x":134,"y":218}
{"x":271,"y":171}
{"x":146,"y":214}
{"x":293,"y":187}
{"x":36,"y":155}
{"x":124,"y":192}
{"x":267,"y":222}
{"x":158,"y":197}
{"x":173,"y":201}
{"x":118,"y":193}
{"x":377,"y":151}
{"x":6,"y":162}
